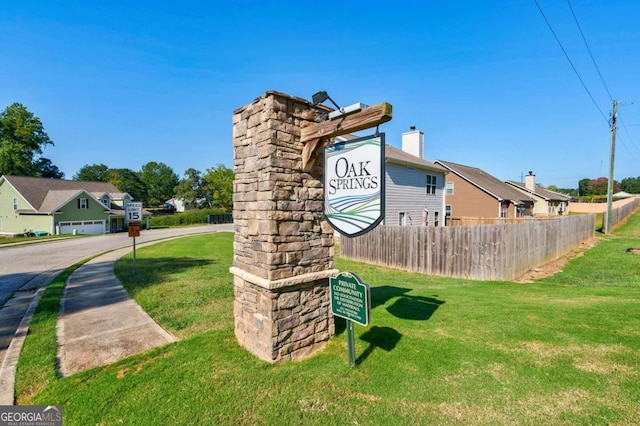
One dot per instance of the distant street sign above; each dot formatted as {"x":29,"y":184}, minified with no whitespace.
{"x":134,"y":229}
{"x":132,"y":212}
{"x":350,"y":298}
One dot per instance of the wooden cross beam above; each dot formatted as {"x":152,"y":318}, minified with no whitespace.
{"x":312,"y":135}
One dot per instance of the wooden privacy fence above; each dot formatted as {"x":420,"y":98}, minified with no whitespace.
{"x":473,"y":221}
{"x":485,"y":252}
{"x":621,"y":213}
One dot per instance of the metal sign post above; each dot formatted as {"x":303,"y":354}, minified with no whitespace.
{"x":132,"y":218}
{"x":351,"y":344}
{"x":351,"y":300}
{"x":134,"y":231}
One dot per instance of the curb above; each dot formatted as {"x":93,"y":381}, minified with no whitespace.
{"x":10,"y":363}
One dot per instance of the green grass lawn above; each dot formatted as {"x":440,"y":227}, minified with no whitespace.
{"x":21,"y":239}
{"x":564,"y":350}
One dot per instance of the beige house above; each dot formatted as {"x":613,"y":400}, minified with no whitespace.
{"x":545,"y":202}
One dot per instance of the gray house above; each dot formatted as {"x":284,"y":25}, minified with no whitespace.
{"x":414,"y":194}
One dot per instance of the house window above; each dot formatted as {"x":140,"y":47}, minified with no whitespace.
{"x":15,"y":204}
{"x":431,"y":184}
{"x":402,"y":219}
{"x":447,"y":210}
{"x":503,"y":210}
{"x":105,"y":201}
{"x":436,"y":222}
{"x":83,"y":203}
{"x":449,"y":188}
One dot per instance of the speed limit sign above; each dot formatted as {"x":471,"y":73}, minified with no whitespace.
{"x":132,"y":212}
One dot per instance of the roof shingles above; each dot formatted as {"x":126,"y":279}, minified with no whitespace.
{"x":485,"y":181}
{"x":393,"y":153}
{"x":43,"y":194}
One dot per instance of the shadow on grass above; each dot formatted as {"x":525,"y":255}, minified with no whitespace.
{"x":385,"y":338}
{"x":409,"y":307}
{"x":414,"y":307}
{"x":154,"y":271}
{"x":417,"y":308}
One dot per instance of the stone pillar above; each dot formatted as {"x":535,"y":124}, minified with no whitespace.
{"x":283,"y":247}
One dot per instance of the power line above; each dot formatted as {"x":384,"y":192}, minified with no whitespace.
{"x":624,"y":127}
{"x":570,"y":62}
{"x":606,"y":88}
{"x":589,"y":50}
{"x":626,"y":131}
{"x":629,"y":151}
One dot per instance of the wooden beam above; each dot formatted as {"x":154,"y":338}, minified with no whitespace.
{"x":368,"y":117}
{"x":310,"y":153}
{"x":313,"y":136}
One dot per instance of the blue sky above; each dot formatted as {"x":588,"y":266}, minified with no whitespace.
{"x":124,"y":83}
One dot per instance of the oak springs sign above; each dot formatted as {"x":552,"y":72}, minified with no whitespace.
{"x":354,"y":185}
{"x":353,"y":205}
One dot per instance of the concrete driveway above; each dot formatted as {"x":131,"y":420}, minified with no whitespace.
{"x":25,"y":269}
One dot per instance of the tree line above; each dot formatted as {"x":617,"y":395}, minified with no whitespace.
{"x":598,"y":187}
{"x":22,"y":140}
{"x":594,"y":187}
{"x":155,"y":183}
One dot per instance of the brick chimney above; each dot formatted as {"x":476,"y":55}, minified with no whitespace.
{"x":413,"y":142}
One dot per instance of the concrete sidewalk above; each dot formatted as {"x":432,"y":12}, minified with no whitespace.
{"x":99,"y":323}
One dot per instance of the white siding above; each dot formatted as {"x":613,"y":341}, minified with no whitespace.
{"x":405,"y":193}
{"x":82,"y":227}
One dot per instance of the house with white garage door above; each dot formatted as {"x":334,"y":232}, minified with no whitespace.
{"x":56,"y":206}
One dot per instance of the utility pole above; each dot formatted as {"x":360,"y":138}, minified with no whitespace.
{"x":614,"y":116}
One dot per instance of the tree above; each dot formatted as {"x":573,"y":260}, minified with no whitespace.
{"x":631,"y":185}
{"x":126,"y":180}
{"x":160,"y":181}
{"x":22,"y":139}
{"x":591,"y":187}
{"x":47,"y":169}
{"x":189,"y":188}
{"x":218,"y":187}
{"x":582,"y":187}
{"x":93,"y":173}
{"x":598,"y":186}
{"x":568,"y":191}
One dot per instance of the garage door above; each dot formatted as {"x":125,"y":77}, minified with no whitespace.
{"x":82,"y":227}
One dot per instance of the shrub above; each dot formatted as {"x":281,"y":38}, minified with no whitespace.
{"x":190,"y":217}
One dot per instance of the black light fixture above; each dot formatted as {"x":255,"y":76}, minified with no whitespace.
{"x":322,"y":96}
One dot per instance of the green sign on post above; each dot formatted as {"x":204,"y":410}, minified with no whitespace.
{"x":351,"y":300}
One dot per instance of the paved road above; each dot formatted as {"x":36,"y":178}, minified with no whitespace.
{"x":25,"y":268}
{"x":23,"y":263}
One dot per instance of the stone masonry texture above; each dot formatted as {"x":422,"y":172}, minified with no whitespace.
{"x":280,"y":231}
